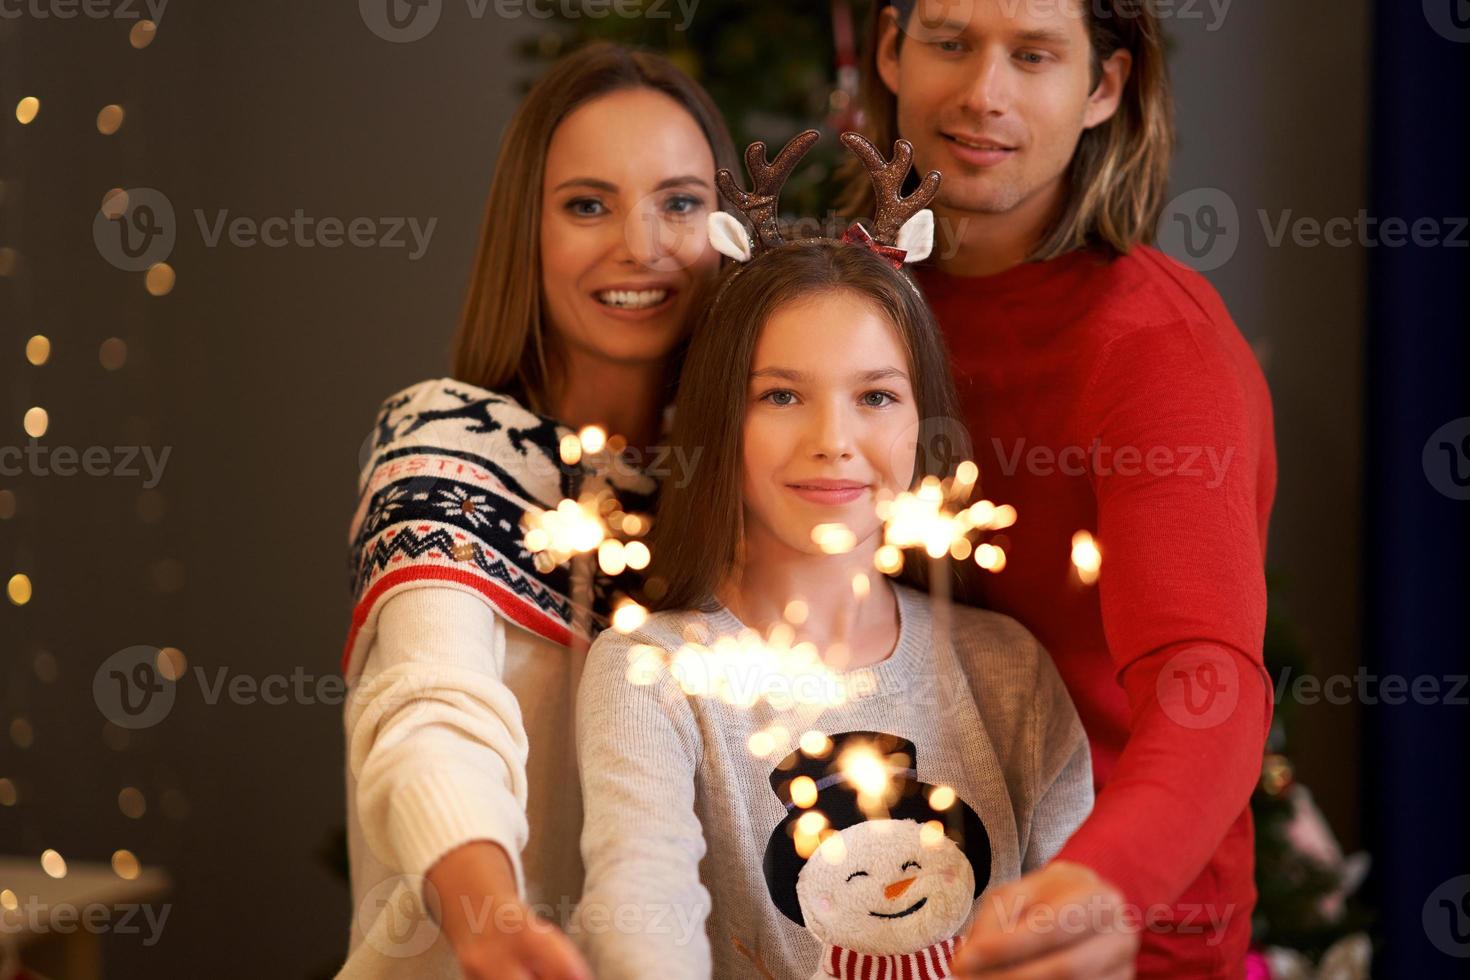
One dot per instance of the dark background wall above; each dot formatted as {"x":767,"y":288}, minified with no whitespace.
{"x":262,"y":368}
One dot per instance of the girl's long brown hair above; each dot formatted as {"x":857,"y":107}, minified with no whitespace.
{"x":699,"y":527}
{"x":1119,"y":174}
{"x":501,"y":342}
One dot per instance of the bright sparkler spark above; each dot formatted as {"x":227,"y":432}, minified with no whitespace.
{"x":577,"y":527}
{"x":924,"y":518}
{"x":871,"y":773}
{"x":865,"y":769}
{"x":628,"y":616}
{"x":1086,"y":556}
{"x":593,"y":439}
{"x":748,"y":669}
{"x":588,"y":441}
{"x":812,"y":828}
{"x":834,"y":539}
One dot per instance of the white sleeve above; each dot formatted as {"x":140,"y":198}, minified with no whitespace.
{"x":643,"y":908}
{"x":434,"y":737}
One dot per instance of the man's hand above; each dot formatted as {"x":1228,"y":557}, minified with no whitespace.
{"x":494,"y":935}
{"x":1062,"y":921}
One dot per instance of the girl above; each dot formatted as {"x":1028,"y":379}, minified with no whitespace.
{"x":786,"y":810}
{"x":462,"y":675}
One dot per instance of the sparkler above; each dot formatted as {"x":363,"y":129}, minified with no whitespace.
{"x":746,"y":670}
{"x":934,"y":518}
{"x":1086,"y":557}
{"x":572,"y":531}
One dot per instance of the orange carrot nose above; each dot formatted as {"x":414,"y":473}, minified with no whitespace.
{"x":898,"y":888}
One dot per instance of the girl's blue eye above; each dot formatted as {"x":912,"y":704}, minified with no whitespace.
{"x":585,"y":207}
{"x":879,"y":399}
{"x":779,"y":396}
{"x":684,"y":204}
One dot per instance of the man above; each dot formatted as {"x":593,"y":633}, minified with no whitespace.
{"x":1109,"y":395}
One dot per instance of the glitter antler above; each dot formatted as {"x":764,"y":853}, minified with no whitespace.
{"x":759,"y":204}
{"x":888,"y":175}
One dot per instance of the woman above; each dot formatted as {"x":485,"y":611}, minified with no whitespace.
{"x":591,"y":261}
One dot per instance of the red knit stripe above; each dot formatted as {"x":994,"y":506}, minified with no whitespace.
{"x":507,"y":603}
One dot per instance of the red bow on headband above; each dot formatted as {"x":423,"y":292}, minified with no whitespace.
{"x":856,"y":234}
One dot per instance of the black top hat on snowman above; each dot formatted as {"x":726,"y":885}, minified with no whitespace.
{"x":838,"y":799}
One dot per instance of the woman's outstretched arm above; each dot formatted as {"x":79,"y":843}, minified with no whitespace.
{"x":438,"y":749}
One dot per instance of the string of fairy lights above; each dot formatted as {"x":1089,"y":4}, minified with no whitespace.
{"x":24,"y":579}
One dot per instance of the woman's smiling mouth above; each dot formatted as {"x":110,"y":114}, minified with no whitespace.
{"x":899,"y":915}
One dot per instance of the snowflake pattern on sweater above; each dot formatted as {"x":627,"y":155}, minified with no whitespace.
{"x":449,"y":472}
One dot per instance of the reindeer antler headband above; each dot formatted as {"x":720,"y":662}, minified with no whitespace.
{"x":903,"y":228}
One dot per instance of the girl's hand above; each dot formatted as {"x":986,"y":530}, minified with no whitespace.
{"x":1061,"y":921}
{"x":494,"y":935}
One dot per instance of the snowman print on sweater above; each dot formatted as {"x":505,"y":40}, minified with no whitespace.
{"x":881,"y":868}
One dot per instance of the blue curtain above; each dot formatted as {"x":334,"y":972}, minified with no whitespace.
{"x":1417,"y":529}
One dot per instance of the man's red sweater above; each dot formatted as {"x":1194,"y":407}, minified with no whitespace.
{"x":1117,"y":397}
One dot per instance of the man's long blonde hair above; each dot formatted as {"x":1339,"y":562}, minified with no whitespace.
{"x":1119,"y":174}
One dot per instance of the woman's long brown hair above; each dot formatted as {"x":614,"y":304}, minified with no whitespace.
{"x":1119,"y":174}
{"x":699,"y":527}
{"x":501,"y":342}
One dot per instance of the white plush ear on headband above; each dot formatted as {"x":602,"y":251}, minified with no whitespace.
{"x":728,"y":236}
{"x":916,"y":237}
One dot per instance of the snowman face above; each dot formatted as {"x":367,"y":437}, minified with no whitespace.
{"x":886,"y":887}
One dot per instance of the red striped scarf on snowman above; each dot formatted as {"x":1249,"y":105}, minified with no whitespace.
{"x":931,"y":963}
